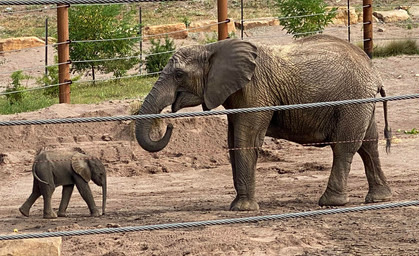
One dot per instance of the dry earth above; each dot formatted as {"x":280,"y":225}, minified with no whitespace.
{"x":191,"y":180}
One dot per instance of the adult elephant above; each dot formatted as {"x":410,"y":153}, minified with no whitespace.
{"x":239,"y":74}
{"x":65,"y":168}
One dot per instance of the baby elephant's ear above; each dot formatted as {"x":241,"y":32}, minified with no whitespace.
{"x":80,"y":166}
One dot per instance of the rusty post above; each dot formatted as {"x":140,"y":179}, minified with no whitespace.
{"x":222,"y":16}
{"x":367,"y":20}
{"x":63,"y":53}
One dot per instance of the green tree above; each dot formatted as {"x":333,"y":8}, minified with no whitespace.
{"x":103,"y":22}
{"x":159,"y":54}
{"x":312,"y":16}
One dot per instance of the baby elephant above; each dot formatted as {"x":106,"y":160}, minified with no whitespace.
{"x":65,"y":168}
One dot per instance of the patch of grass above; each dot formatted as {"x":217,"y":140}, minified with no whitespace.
{"x":414,"y":131}
{"x":408,"y":47}
{"x":127,"y":88}
{"x":394,"y":48}
{"x":34,"y":100}
{"x":83,"y":93}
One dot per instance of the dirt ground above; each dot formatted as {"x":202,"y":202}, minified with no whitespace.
{"x":191,"y":180}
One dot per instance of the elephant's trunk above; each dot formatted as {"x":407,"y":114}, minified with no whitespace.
{"x":153,"y":104}
{"x":104,"y":191}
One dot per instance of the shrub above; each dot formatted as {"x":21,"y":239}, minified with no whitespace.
{"x":159,"y":54}
{"x":17,"y":88}
{"x":308,"y":25}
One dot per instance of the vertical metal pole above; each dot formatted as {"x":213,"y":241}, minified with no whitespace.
{"x":46,"y":46}
{"x":349,"y":22}
{"x":367,"y":20}
{"x":222,"y":16}
{"x":242,"y":22}
{"x":63,"y":53}
{"x":141,"y":40}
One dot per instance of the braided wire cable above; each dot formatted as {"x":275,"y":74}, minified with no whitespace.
{"x":46,"y":2}
{"x":207,"y":113}
{"x":195,"y":224}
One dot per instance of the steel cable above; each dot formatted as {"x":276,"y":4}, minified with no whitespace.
{"x":207,"y":113}
{"x":47,"y":2}
{"x":210,"y":222}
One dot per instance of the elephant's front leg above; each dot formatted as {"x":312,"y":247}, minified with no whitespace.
{"x":86,"y":194}
{"x":244,"y":138}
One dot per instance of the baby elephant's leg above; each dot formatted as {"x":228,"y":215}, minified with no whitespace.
{"x":25,"y":208}
{"x":65,"y":199}
{"x":47,"y":195}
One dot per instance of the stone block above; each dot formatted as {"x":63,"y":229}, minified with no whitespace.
{"x":392,"y":16}
{"x":209,"y":26}
{"x":19,"y":43}
{"x":31,"y":247}
{"x":341,"y":17}
{"x":257,"y":23}
{"x":176,"y":31}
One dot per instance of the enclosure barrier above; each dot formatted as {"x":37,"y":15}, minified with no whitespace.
{"x":211,"y":222}
{"x":367,"y":41}
{"x":207,"y":113}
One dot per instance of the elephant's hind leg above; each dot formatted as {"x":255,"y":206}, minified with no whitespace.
{"x":378,"y":189}
{"x":25,"y":208}
{"x":65,"y":199}
{"x":336,"y":191}
{"x":47,"y":195}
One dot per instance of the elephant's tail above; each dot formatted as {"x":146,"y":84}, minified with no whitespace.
{"x":387,"y":130}
{"x":36,"y":176}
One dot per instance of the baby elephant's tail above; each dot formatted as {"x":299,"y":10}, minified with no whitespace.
{"x":387,"y":130}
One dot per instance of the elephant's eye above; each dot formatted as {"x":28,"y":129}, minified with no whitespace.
{"x":178,"y":74}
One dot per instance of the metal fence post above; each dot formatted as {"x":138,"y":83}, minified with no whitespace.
{"x":63,"y":53}
{"x":367,"y":20}
{"x":222,"y":16}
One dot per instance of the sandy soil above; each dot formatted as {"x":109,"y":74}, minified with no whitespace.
{"x":191,"y":180}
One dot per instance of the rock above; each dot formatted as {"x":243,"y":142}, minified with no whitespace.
{"x":161,"y":31}
{"x":392,"y":16}
{"x":414,"y":11}
{"x":257,"y":23}
{"x":31,"y":247}
{"x":209,"y":26}
{"x":341,"y":17}
{"x":19,"y":43}
{"x":380,"y":30}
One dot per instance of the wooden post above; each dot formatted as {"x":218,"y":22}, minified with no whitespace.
{"x":367,"y":20}
{"x":222,"y":16}
{"x":63,"y":53}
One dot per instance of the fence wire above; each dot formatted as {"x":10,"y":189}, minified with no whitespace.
{"x":205,"y":223}
{"x":47,"y":2}
{"x":207,"y":113}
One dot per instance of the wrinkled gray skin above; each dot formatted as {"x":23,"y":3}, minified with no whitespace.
{"x":65,"y":168}
{"x":239,"y":74}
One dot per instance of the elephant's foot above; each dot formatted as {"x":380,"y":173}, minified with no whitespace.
{"x":95,"y":213}
{"x":62,"y":214}
{"x":244,"y":204}
{"x":333,"y":199}
{"x":378,"y":194}
{"x":51,"y":215}
{"x":24,"y":211}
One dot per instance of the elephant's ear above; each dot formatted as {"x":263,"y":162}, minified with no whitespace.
{"x":80,"y":166}
{"x":231,"y":67}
